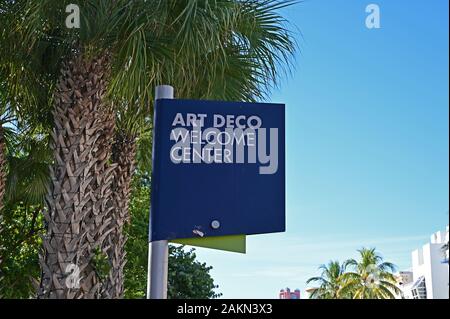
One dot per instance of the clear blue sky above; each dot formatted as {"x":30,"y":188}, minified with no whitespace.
{"x":367,"y":144}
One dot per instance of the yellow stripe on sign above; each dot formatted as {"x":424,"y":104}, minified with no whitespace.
{"x":233,"y":243}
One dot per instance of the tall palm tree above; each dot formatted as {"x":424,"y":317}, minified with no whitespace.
{"x":330,"y":282}
{"x":130,"y":124}
{"x":229,"y":49}
{"x":371,"y":278}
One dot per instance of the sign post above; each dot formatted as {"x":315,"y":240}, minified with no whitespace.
{"x":218,"y":175}
{"x":158,"y":251}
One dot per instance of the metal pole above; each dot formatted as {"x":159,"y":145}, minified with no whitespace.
{"x":158,"y":251}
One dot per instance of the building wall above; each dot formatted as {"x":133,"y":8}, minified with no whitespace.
{"x":288,"y":294}
{"x":438,"y":273}
{"x":428,"y":262}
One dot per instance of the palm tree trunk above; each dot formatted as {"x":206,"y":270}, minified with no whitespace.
{"x":80,"y":181}
{"x":124,"y":154}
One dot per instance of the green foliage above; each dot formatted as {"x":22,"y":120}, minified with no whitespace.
{"x":368,"y":278}
{"x":137,"y":242}
{"x":22,"y":228}
{"x":330,"y":281}
{"x":371,"y":278}
{"x":28,"y":169}
{"x":21,"y":239}
{"x":21,"y":221}
{"x":222,"y":49}
{"x":189,"y":278}
{"x":101,"y":264}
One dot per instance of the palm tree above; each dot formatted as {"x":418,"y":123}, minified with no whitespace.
{"x":330,"y":282}
{"x":226,"y":49}
{"x":130,"y":124}
{"x":371,"y":278}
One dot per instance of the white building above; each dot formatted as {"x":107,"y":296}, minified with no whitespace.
{"x":428,"y":278}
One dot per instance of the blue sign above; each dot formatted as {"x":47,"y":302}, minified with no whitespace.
{"x":218,"y":169}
